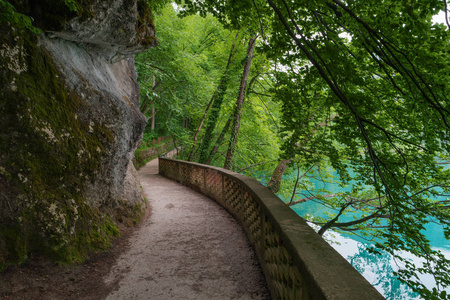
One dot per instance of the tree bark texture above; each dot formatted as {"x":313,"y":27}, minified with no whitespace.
{"x":218,"y":142}
{"x":275,"y":181}
{"x":217,"y":99}
{"x":239,"y":102}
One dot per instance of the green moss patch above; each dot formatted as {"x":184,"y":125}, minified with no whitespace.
{"x":143,"y":25}
{"x":48,"y":153}
{"x":53,"y":15}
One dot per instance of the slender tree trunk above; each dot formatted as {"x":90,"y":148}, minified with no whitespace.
{"x":153,"y":118}
{"x":153,"y":109}
{"x":239,"y":102}
{"x":218,"y":142}
{"x":147,"y":103}
{"x":221,"y":86}
{"x":201,"y":123}
{"x":211,"y":123}
{"x":215,"y":109}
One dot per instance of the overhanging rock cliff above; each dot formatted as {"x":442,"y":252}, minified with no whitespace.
{"x":69,"y":125}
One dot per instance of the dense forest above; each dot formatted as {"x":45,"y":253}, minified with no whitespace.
{"x":297,"y":92}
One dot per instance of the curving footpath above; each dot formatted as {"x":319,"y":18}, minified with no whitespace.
{"x":189,"y":248}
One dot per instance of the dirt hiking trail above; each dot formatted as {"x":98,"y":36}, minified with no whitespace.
{"x":189,"y":248}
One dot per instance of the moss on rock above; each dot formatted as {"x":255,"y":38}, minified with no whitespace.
{"x":53,"y":15}
{"x":47,"y":154}
{"x":144,"y":25}
{"x":66,"y":136}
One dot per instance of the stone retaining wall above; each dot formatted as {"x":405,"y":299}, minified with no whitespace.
{"x":297,"y":262}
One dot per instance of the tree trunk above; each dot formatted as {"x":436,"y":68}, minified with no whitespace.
{"x":212,"y":120}
{"x":153,"y":118}
{"x":147,"y":103}
{"x":153,"y":109}
{"x":239,"y":102}
{"x":191,"y":155}
{"x":220,"y":87}
{"x":275,"y":181}
{"x":218,"y":142}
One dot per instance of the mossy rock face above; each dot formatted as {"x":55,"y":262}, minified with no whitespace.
{"x":69,"y":126}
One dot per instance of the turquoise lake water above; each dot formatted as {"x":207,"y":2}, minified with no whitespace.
{"x":377,"y":269}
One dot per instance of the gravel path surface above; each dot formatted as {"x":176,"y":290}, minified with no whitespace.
{"x":189,"y":248}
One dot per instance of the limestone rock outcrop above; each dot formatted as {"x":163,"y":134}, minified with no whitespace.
{"x":69,"y":126}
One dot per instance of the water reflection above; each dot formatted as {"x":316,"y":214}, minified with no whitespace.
{"x":379,"y":269}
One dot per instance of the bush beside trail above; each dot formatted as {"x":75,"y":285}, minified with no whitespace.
{"x":152,"y":149}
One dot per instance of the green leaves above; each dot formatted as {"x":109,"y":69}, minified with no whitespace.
{"x":9,"y":14}
{"x":361,"y":85}
{"x":71,"y":4}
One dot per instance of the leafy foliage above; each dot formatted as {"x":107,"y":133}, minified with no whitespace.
{"x":9,"y":14}
{"x":180,"y":68}
{"x":364,"y":84}
{"x":71,"y":4}
{"x":189,"y":65}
